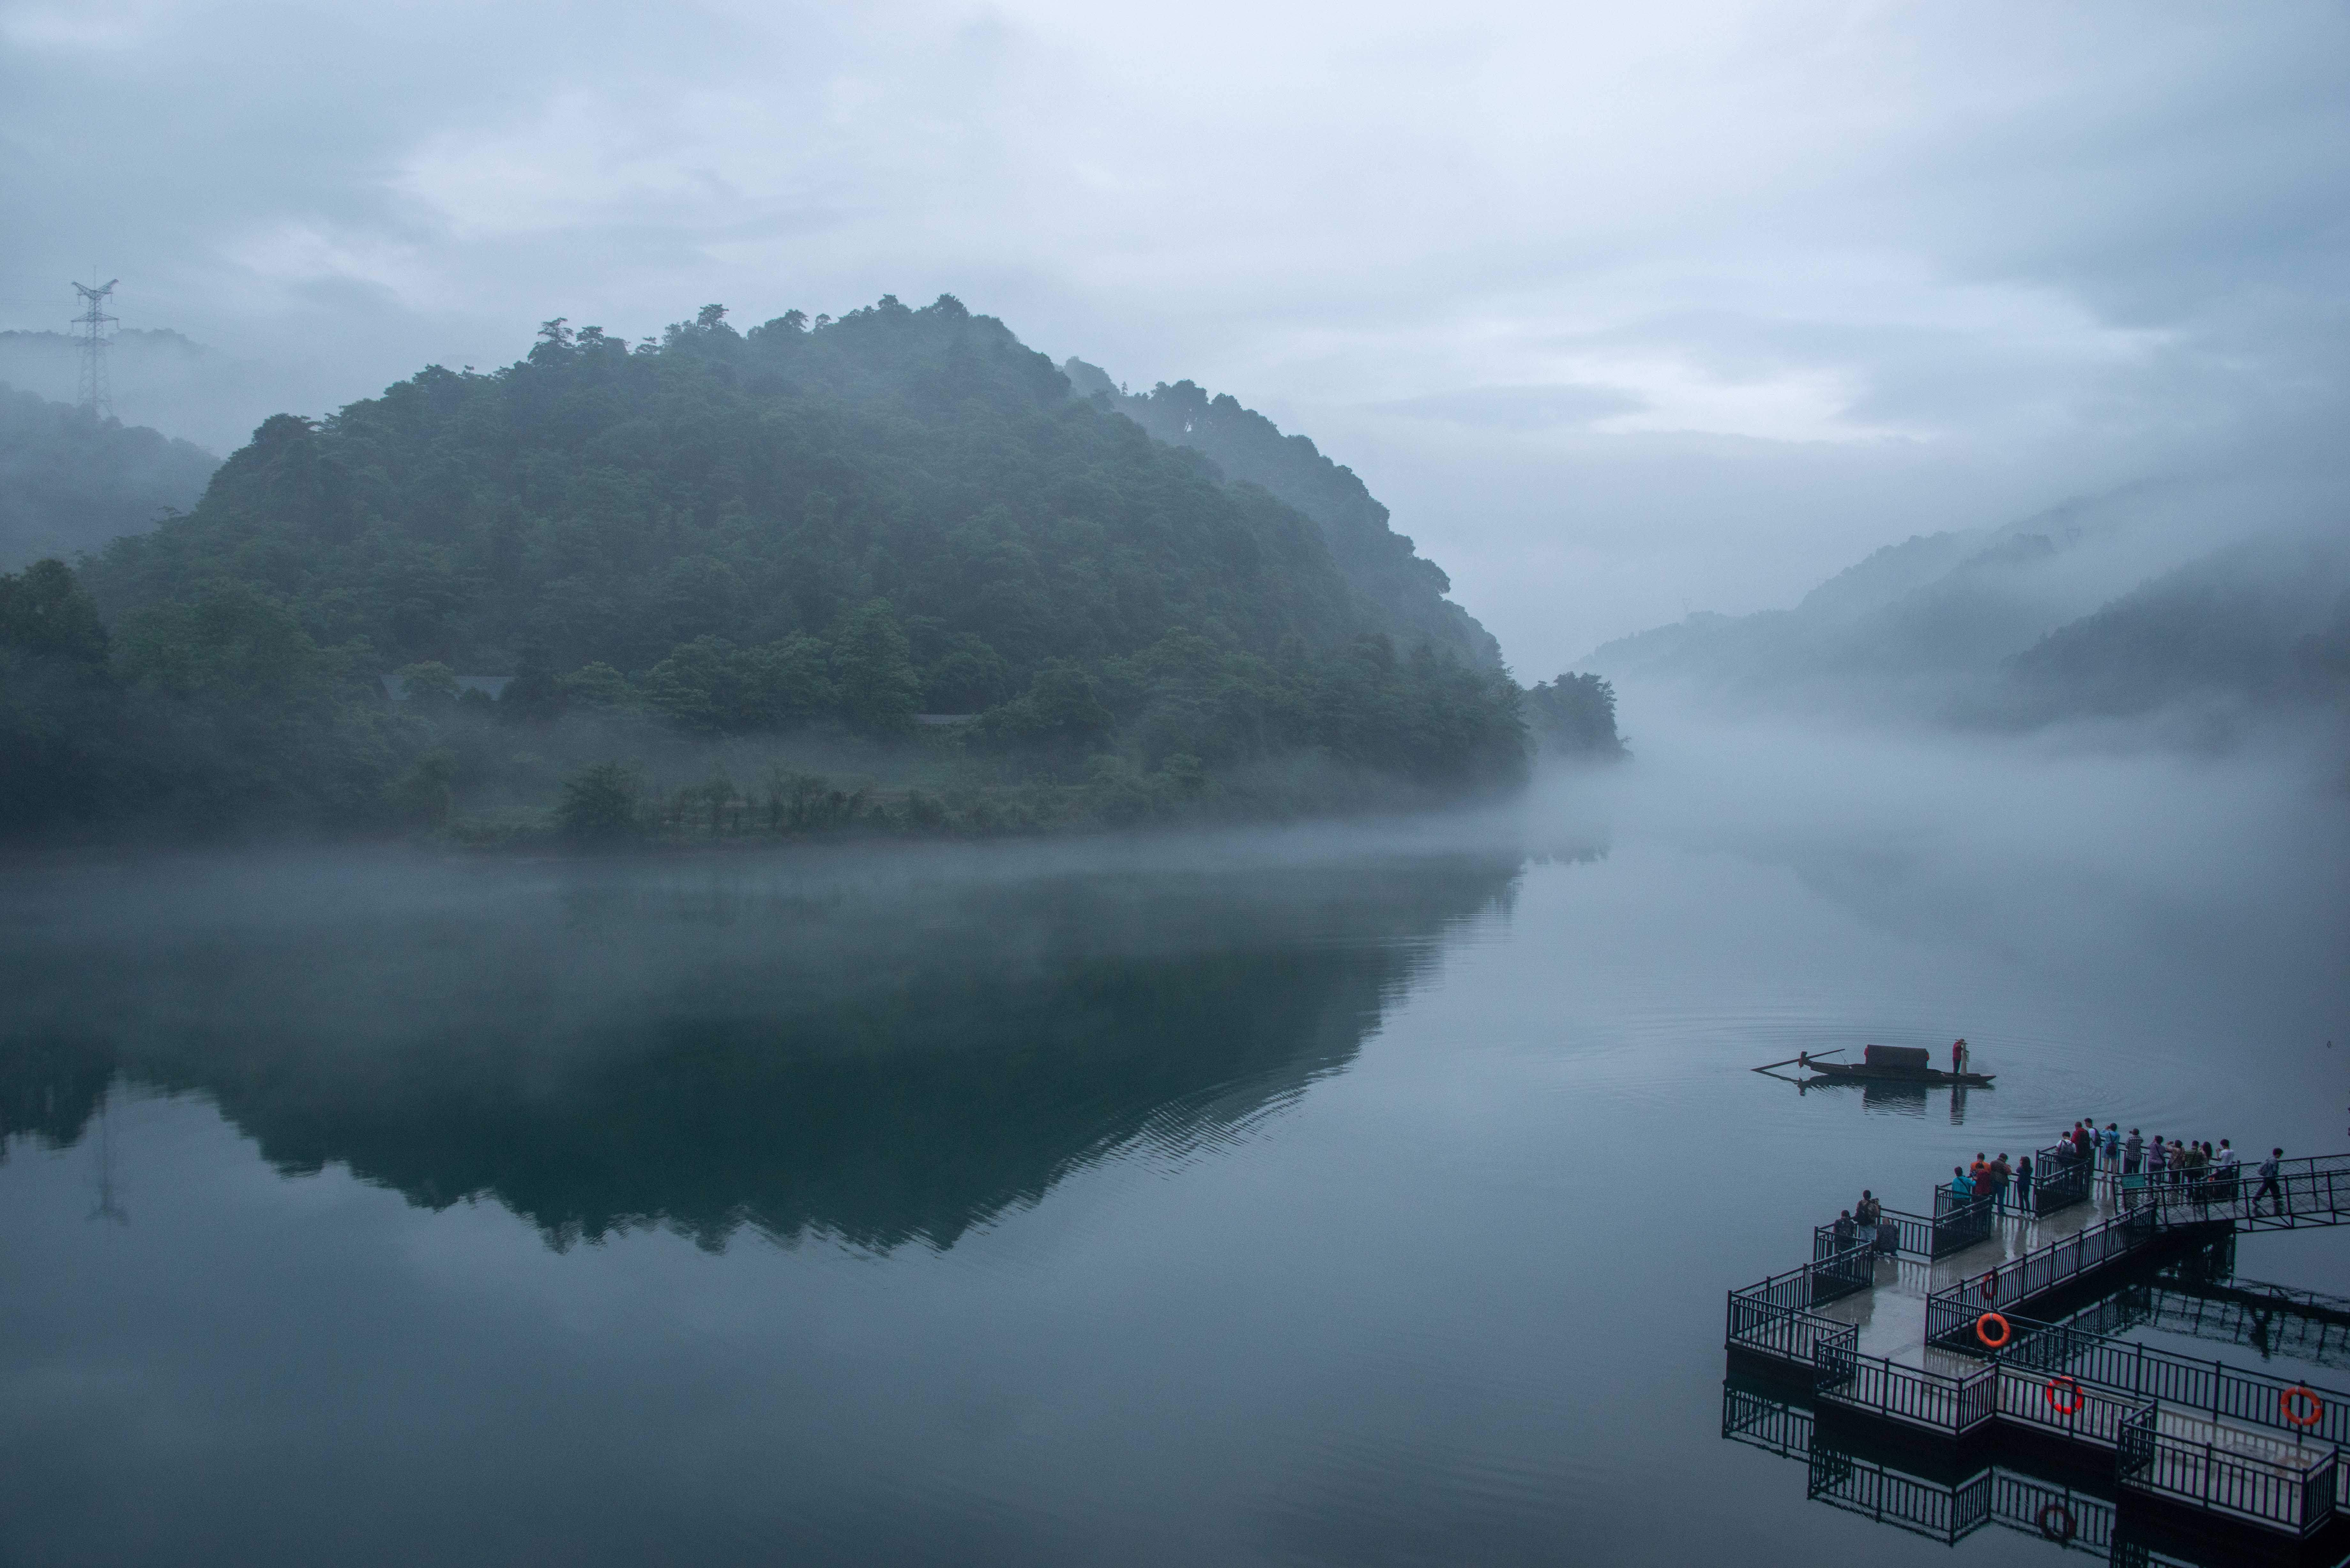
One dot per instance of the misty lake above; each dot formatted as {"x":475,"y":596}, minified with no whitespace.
{"x":1358,"y":1195}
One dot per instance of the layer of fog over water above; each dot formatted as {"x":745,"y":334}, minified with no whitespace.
{"x":1354,"y":1195}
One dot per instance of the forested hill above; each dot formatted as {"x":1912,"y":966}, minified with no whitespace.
{"x":720,"y":551}
{"x":608,"y":503}
{"x":1389,"y":580}
{"x":70,"y":480}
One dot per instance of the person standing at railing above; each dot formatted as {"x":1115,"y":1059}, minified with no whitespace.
{"x":2231,"y":1168}
{"x":2270,"y":1170}
{"x":2000,"y":1177}
{"x":1884,"y":1234}
{"x":2157,"y":1161}
{"x":2109,"y":1146}
{"x":2133,"y":1153}
{"x":2024,"y":1183}
{"x":1962,"y":1189}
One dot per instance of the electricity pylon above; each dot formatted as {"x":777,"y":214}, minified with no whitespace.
{"x":97,"y":391}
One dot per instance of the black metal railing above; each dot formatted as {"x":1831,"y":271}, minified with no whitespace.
{"x":2059,"y":1179}
{"x":2286,"y":1488}
{"x":2310,"y":1188}
{"x":1959,"y":1222}
{"x":2062,"y":1351}
{"x":1896,"y":1234}
{"x":1914,"y":1395}
{"x":2064,"y":1404}
{"x":1953,"y":1313}
{"x":1774,"y":1317}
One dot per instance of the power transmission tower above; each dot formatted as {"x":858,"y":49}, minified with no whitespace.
{"x":97,"y":392}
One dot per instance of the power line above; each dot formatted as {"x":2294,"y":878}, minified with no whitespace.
{"x":96,"y":392}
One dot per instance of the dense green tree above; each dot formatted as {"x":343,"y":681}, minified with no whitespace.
{"x":601,"y":804}
{"x":1575,"y":716}
{"x":536,"y":692}
{"x":45,"y":613}
{"x":880,"y":689}
{"x":711,"y":685}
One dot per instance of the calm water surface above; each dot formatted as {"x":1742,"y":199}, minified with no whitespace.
{"x":1346,"y":1197}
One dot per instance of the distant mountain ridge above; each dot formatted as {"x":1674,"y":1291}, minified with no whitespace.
{"x":164,"y":379}
{"x":2012,"y":627}
{"x":71,"y":482}
{"x":2263,"y":624}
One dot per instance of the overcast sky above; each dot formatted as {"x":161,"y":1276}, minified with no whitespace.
{"x":1624,"y":309}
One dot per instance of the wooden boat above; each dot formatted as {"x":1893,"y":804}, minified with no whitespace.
{"x":1880,"y":1064}
{"x":1861,"y":1072}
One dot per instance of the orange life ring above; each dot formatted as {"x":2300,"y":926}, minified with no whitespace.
{"x":1990,"y":1286}
{"x":2061,"y":1529}
{"x":1983,"y":1334}
{"x":2066,"y":1385}
{"x":2316,"y":1406}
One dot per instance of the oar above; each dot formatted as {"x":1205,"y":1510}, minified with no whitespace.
{"x":1793,"y":1060}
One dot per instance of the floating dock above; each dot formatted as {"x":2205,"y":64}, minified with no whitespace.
{"x":1985,"y":1321}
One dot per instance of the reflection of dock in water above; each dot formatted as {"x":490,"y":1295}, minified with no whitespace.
{"x":1958,"y":1336}
{"x":2268,"y":1319}
{"x":1957,"y":1494}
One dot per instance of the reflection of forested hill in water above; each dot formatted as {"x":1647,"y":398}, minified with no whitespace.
{"x":878,"y":1064}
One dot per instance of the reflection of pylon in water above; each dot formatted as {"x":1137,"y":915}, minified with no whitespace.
{"x":108,"y":1207}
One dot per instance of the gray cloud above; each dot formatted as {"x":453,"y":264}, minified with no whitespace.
{"x":1517,"y":408}
{"x":1856,"y":266}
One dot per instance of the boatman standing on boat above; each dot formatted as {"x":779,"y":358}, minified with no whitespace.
{"x":1958,"y":1057}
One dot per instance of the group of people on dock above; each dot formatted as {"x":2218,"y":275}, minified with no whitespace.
{"x":1994,"y":1179}
{"x":2128,"y":1164}
{"x":1864,"y":1221}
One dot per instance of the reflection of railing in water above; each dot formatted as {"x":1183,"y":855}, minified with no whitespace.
{"x":1941,"y":1510}
{"x":2078,"y":1519}
{"x":1944,"y":1514}
{"x":2273,"y":1319}
{"x":1777,"y":1425}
